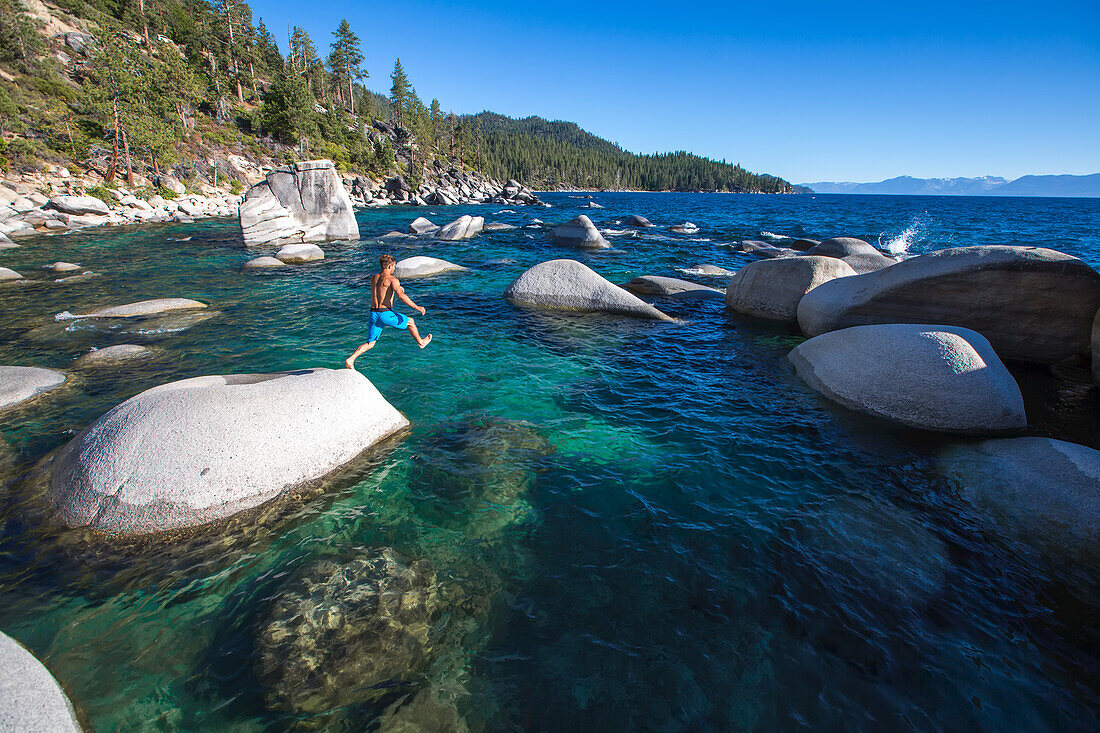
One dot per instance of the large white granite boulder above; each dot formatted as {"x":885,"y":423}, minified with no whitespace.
{"x":144,"y":308}
{"x":569,"y":285}
{"x":8,"y":275}
{"x":421,"y":225}
{"x":19,"y":383}
{"x":298,"y":254}
{"x":860,"y":256}
{"x":930,"y":377}
{"x":421,"y":266}
{"x":263,"y":263}
{"x":772,"y":289}
{"x":304,"y":203}
{"x":202,"y":449}
{"x":463,"y":227}
{"x":1039,"y":489}
{"x":30,"y":698}
{"x":78,"y":205}
{"x":1033,"y":304}
{"x":581,"y":233}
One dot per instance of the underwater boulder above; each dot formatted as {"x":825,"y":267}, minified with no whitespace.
{"x":30,"y":697}
{"x":772,"y":289}
{"x":144,"y":308}
{"x":19,"y":383}
{"x":670,"y":287}
{"x":420,"y":266}
{"x":202,"y":449}
{"x":112,"y":355}
{"x":1033,"y":304}
{"x":570,"y":285}
{"x":351,"y":632}
{"x":685,"y":228}
{"x":929,"y":377}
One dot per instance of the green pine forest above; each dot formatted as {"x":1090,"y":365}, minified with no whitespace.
{"x":158,"y":85}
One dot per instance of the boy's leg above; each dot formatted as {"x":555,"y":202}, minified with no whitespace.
{"x":421,"y":342}
{"x":350,"y":361}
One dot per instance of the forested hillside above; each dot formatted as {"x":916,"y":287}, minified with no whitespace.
{"x":136,"y":87}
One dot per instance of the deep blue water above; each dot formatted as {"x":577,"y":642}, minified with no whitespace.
{"x":653,"y":526}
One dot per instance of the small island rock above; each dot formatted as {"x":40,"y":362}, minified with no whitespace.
{"x":463,"y":227}
{"x":202,"y":449}
{"x":7,"y":275}
{"x":570,"y":285}
{"x":303,"y":203}
{"x":62,"y":267}
{"x":1033,"y":304}
{"x":30,"y":697}
{"x":262,"y":263}
{"x":19,"y":383}
{"x":420,"y":266}
{"x":420,"y":225}
{"x":772,"y":289}
{"x":929,"y":377}
{"x":637,"y":221}
{"x":297,"y":254}
{"x":580,"y":232}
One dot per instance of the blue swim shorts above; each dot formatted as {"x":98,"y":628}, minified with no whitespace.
{"x":380,"y":319}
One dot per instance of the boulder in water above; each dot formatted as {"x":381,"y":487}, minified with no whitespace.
{"x":670,"y":287}
{"x":580,"y":232}
{"x":346,"y":633}
{"x":772,"y":289}
{"x":202,"y":449}
{"x":497,"y":226}
{"x":860,"y":255}
{"x":686,"y":228}
{"x":708,"y":271}
{"x":420,"y":266}
{"x":112,"y":355}
{"x":144,"y":308}
{"x":262,"y":263}
{"x":803,"y":245}
{"x":18,"y":383}
{"x":62,"y":267}
{"x":78,"y":205}
{"x":463,"y":227}
{"x":1033,"y":304}
{"x":303,"y":203}
{"x":1040,"y":489}
{"x":298,"y":254}
{"x":637,"y":221}
{"x":30,"y":698}
{"x":569,"y":285}
{"x":7,"y":275}
{"x":420,"y":225}
{"x":930,"y":377}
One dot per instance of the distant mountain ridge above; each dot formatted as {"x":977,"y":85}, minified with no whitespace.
{"x":1053,"y":185}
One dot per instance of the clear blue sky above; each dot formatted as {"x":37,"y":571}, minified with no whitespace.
{"x":828,"y":90}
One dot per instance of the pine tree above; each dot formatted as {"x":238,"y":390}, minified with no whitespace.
{"x":435,"y":113}
{"x":287,"y":113}
{"x":19,"y":39}
{"x":399,"y":94}
{"x":346,"y":60}
{"x":267,"y":50}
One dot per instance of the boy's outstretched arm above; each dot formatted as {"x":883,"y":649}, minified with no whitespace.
{"x":404,"y":298}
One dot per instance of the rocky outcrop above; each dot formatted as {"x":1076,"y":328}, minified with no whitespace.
{"x":1033,"y":304}
{"x":1039,"y":489}
{"x":463,"y":227}
{"x":78,"y":205}
{"x":112,"y":355}
{"x":345,"y":633}
{"x":420,"y":266}
{"x":862,"y":256}
{"x":18,"y":383}
{"x":199,"y":450}
{"x":670,"y":287}
{"x":772,"y":289}
{"x":263,"y":263}
{"x":930,"y":377}
{"x":299,"y":254}
{"x":304,"y":203}
{"x":144,"y":308}
{"x":569,"y":285}
{"x":581,"y":233}
{"x":30,"y":698}
{"x":420,"y":225}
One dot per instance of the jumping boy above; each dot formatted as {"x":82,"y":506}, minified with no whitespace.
{"x":383,"y":287}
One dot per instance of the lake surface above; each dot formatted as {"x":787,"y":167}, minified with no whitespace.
{"x":641,"y":526}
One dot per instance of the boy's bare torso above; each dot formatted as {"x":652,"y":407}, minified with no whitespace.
{"x":382,"y":288}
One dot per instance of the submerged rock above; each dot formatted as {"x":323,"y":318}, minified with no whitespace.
{"x":30,"y":698}
{"x":580,"y":232}
{"x":670,"y":287}
{"x":420,"y":225}
{"x":298,"y":254}
{"x":202,"y":449}
{"x":144,"y":308}
{"x":569,"y":285}
{"x":62,"y":267}
{"x":497,"y":226}
{"x":261,"y":263}
{"x":421,"y":266}
{"x":1033,"y":304}
{"x":708,"y":271}
{"x":303,"y":203}
{"x":348,"y":633}
{"x":862,"y":256}
{"x":1041,"y":490}
{"x":686,"y":228}
{"x":637,"y":221}
{"x":929,"y":377}
{"x":7,"y":275}
{"x":426,"y":712}
{"x":772,"y":289}
{"x":112,"y":354}
{"x":18,"y":383}
{"x":463,"y":227}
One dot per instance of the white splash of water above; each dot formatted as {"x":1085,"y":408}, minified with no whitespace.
{"x":773,"y":236}
{"x":709,"y":272}
{"x":900,"y":244}
{"x":65,"y":316}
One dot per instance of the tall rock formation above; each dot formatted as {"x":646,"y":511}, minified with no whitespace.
{"x":306,"y":202}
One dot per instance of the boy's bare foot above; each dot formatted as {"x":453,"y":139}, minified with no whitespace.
{"x":349,"y":363}
{"x":427,"y":340}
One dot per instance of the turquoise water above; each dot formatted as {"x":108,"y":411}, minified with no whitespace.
{"x":631,"y":525}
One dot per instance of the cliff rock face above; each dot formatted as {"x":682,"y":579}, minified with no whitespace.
{"x":304,"y":203}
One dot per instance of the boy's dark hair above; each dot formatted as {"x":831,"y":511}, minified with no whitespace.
{"x":387,"y":260}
